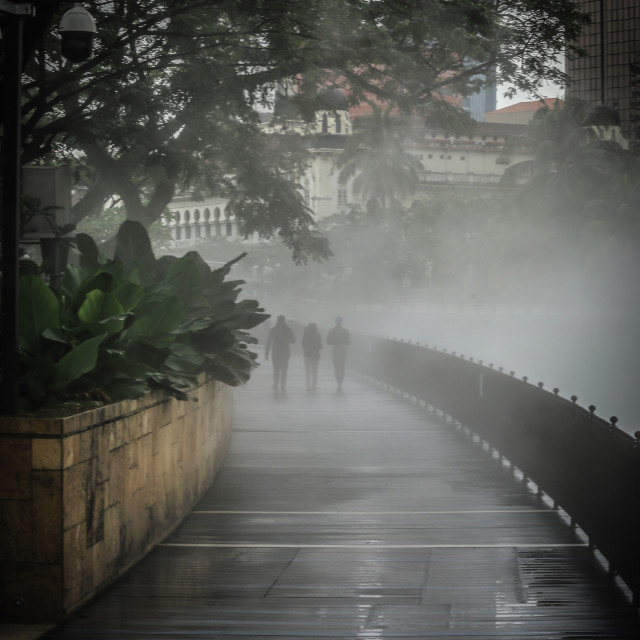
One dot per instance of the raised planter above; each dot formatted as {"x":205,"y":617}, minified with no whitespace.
{"x":84,"y":497}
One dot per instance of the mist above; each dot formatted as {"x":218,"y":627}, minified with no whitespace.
{"x":508,"y":299}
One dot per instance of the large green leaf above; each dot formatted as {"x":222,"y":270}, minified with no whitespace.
{"x":39,"y":309}
{"x":102,"y":313}
{"x":184,"y":358}
{"x":184,"y":277}
{"x":76,"y":363}
{"x":121,"y":388}
{"x":154,"y":320}
{"x":71,"y":280}
{"x":89,"y":254}
{"x":101,"y":280}
{"x":129,"y":295}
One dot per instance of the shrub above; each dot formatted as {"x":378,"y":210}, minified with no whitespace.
{"x":118,"y":328}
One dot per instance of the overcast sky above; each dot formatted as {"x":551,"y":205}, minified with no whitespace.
{"x":548,"y":91}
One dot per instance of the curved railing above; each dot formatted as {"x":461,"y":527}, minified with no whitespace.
{"x":586,"y":465}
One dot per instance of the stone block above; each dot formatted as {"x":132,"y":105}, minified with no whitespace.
{"x":116,"y":434}
{"x":47,"y":453}
{"x":134,"y":426}
{"x":142,"y":472}
{"x":87,"y":445}
{"x":16,"y":531}
{"x":15,"y":469}
{"x":112,"y":525}
{"x":47,"y":516}
{"x":116,"y":482}
{"x":70,"y":451}
{"x":77,"y":488}
{"x":74,"y":554}
{"x":95,"y":514}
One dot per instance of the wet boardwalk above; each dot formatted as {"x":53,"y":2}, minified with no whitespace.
{"x":358,"y":515}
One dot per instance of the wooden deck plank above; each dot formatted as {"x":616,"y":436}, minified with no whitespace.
{"x":359,"y":515}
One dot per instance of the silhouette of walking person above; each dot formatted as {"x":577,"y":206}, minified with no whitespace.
{"x":339,"y":338}
{"x":278,"y":341}
{"x":311,"y":346}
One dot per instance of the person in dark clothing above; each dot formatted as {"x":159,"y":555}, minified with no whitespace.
{"x":339,"y":338}
{"x":311,"y":346}
{"x":278,"y":341}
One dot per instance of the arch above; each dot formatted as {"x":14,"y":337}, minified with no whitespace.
{"x":216,"y":213}
{"x":187,"y":217}
{"x":207,"y":215}
{"x":196,"y":215}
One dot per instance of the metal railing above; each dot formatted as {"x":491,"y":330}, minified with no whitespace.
{"x":585,"y":464}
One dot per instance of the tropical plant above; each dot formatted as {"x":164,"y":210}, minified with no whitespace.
{"x":383,"y":172}
{"x":117,"y":328}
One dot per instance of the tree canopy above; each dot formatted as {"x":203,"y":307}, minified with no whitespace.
{"x":172,"y":97}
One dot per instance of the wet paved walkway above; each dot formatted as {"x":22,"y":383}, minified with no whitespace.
{"x":359,"y":515}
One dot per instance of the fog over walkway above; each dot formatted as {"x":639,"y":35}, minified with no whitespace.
{"x":593,"y":356}
{"x":359,"y":515}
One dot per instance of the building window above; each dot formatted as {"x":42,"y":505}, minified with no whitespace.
{"x":463,"y":157}
{"x":342,"y":197}
{"x":338,"y":123}
{"x":441,"y":157}
{"x":430,"y":156}
{"x":325,"y":123}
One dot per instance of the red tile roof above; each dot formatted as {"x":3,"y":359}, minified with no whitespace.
{"x":534,"y":105}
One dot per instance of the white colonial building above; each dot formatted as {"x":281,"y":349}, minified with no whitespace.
{"x":475,"y":161}
{"x":195,"y":220}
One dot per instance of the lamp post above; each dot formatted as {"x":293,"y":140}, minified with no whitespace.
{"x":77,"y":29}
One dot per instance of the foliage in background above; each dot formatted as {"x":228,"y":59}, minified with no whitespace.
{"x":168,"y":100}
{"x":117,"y":328}
{"x":440,"y":248}
{"x":577,"y":224}
{"x":104,"y":225}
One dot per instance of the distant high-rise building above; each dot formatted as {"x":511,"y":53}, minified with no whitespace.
{"x":610,"y":72}
{"x":481,"y":102}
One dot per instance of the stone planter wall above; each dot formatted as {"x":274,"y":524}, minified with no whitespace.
{"x":82,"y":498}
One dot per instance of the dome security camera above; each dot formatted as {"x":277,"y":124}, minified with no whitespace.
{"x":77,"y":28}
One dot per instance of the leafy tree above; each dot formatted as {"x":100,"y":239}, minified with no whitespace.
{"x":578,"y":205}
{"x":168,"y":101}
